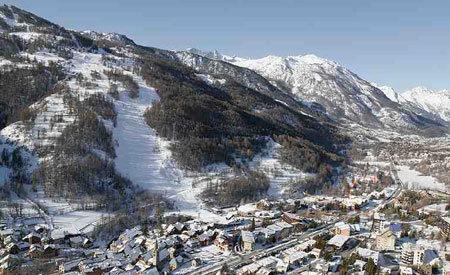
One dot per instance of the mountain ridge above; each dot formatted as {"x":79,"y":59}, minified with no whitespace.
{"x":312,"y":79}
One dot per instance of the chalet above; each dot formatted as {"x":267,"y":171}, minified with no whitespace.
{"x":69,"y":266}
{"x":98,"y":266}
{"x":23,"y":246}
{"x":193,"y":243}
{"x":173,"y":252}
{"x":87,"y":243}
{"x":184,"y":238}
{"x":248,"y":269}
{"x":9,"y":239}
{"x":385,"y":240}
{"x":263,"y":205}
{"x":367,"y":254}
{"x":320,"y":266}
{"x":223,"y":242}
{"x":76,"y":241}
{"x":147,"y":256}
{"x":341,"y":228}
{"x":247,"y":209}
{"x":359,"y":265}
{"x":282,"y":267}
{"x":290,"y":218}
{"x":142,"y":265}
{"x":335,"y":263}
{"x":46,"y":240}
{"x":260,"y":265}
{"x":9,"y":263}
{"x":130,"y":234}
{"x":406,"y":270}
{"x":12,"y":248}
{"x":340,"y":242}
{"x":35,"y":251}
{"x":264,"y":235}
{"x":444,"y":226}
{"x":297,"y":258}
{"x":379,"y":221}
{"x":176,"y":228}
{"x":163,"y":255}
{"x":306,"y":245}
{"x":58,"y":236}
{"x":206,"y":237}
{"x":248,"y":241}
{"x":286,"y":229}
{"x":315,"y":252}
{"x":196,"y":262}
{"x":353,"y":203}
{"x":354,"y":229}
{"x":396,"y":229}
{"x":32,"y":238}
{"x":40,"y":228}
{"x":277,"y":231}
{"x":50,"y":250}
{"x":175,"y":263}
{"x":264,"y":271}
{"x":6,"y":232}
{"x":190,"y":233}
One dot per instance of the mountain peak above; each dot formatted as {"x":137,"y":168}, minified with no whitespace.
{"x":110,"y":36}
{"x":312,"y":59}
{"x":437,"y":102}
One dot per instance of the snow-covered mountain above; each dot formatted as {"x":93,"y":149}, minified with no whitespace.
{"x":144,"y":116}
{"x":422,"y":100}
{"x":389,"y":92}
{"x":344,"y":95}
{"x":112,"y":37}
{"x":436,"y":102}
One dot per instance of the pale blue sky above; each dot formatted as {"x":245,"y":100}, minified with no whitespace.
{"x":401,"y":43}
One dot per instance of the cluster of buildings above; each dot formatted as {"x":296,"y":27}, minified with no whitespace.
{"x":313,"y":235}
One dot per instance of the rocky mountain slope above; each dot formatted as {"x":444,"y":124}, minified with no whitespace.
{"x":436,"y":102}
{"x":344,"y":96}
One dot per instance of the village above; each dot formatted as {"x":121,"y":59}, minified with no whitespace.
{"x":391,"y":231}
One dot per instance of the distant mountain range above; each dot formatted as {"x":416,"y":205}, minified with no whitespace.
{"x":434,"y":102}
{"x":345,"y":96}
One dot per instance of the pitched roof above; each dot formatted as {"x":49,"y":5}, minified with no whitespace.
{"x":247,"y":236}
{"x":338,"y":240}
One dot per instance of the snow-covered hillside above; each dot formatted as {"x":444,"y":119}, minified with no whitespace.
{"x":423,"y":100}
{"x":344,"y":95}
{"x":436,"y":102}
{"x":389,"y":92}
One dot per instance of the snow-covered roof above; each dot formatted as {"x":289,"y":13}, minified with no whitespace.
{"x":247,"y":236}
{"x":296,"y":256}
{"x":338,"y":240}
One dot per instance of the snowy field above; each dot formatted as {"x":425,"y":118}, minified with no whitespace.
{"x":279,"y":174}
{"x":77,"y":221}
{"x":415,"y":180}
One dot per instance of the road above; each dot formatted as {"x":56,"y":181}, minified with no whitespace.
{"x":238,"y":260}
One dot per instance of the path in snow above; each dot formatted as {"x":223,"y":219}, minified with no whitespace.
{"x":145,"y":159}
{"x":141,"y":155}
{"x":137,"y":152}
